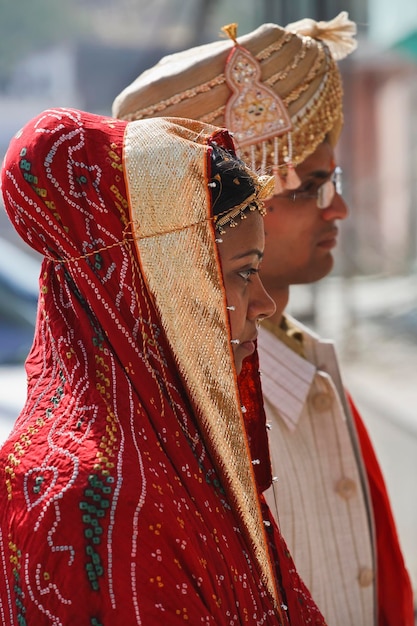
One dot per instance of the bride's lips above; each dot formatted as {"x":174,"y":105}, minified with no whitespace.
{"x":248,"y":345}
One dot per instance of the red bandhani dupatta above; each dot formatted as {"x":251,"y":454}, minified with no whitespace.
{"x":128,"y":495}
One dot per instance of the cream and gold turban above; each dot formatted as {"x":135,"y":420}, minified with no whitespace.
{"x":279,"y":90}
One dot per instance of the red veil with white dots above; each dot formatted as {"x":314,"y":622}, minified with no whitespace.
{"x":128,"y":494}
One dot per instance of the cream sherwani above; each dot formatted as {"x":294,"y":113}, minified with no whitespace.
{"x":319,"y":494}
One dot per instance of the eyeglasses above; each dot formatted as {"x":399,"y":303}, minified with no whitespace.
{"x":325,"y":193}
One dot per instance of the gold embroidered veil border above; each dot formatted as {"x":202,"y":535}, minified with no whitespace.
{"x":177,"y":250}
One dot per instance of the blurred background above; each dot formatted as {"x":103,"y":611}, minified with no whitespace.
{"x":82,"y":53}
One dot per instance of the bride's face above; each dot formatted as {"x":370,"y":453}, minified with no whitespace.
{"x":241,"y":252}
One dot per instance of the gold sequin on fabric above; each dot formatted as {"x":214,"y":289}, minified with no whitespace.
{"x":178,"y":255}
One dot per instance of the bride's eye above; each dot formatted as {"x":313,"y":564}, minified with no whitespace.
{"x":246,"y":274}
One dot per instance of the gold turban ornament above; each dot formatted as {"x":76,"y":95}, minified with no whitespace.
{"x":279,"y":91}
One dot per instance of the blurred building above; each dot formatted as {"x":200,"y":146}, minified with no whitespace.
{"x":378,"y":152}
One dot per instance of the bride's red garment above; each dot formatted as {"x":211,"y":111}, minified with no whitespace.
{"x":128,"y":494}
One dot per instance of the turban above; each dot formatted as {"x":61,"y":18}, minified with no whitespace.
{"x":279,"y":90}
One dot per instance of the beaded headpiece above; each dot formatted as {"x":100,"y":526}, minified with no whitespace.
{"x":279,"y":90}
{"x":234,"y":189}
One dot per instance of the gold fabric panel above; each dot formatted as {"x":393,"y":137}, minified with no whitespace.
{"x":176,"y":245}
